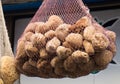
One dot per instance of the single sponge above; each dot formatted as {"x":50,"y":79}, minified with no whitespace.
{"x":1,"y":81}
{"x":8,"y":70}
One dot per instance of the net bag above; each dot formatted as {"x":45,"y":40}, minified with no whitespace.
{"x":63,"y":40}
{"x":8,"y":71}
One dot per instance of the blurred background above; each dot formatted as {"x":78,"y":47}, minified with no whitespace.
{"x":18,"y":13}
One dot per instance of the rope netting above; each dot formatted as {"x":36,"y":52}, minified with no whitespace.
{"x":69,"y":10}
{"x":63,"y":40}
{"x":8,"y":72}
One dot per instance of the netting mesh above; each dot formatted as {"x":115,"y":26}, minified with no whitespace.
{"x":69,"y":10}
{"x":63,"y":40}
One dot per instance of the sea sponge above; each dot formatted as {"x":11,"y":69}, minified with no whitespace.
{"x":82,"y":69}
{"x":29,"y":69}
{"x":62,"y":31}
{"x":19,"y":63}
{"x":56,"y":61}
{"x":63,"y":52}
{"x":55,"y":18}
{"x":67,"y":45}
{"x":50,"y":34}
{"x":80,"y":56}
{"x":100,"y":41}
{"x":41,"y":27}
{"x":28,"y":35}
{"x":60,"y":71}
{"x":87,"y":67}
{"x":52,"y":45}
{"x":112,"y":48}
{"x":54,"y":21}
{"x":88,"y":32}
{"x":111,"y":35}
{"x":1,"y":81}
{"x":31,"y":51}
{"x":33,"y":62}
{"x":99,"y":67}
{"x":8,"y":71}
{"x":54,"y":49}
{"x":80,"y":25}
{"x":44,"y":68}
{"x":38,"y":40}
{"x":75,"y":40}
{"x":77,"y":73}
{"x":44,"y":54}
{"x":84,"y":21}
{"x":88,"y":47}
{"x":70,"y":65}
{"x":103,"y":58}
{"x":21,"y":49}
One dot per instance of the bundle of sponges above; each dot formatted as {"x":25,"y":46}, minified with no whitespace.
{"x":54,"y":49}
{"x":8,"y":71}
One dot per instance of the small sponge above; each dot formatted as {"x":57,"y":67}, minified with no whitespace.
{"x":1,"y":81}
{"x":8,"y":70}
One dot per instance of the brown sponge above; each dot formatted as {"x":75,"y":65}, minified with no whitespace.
{"x":54,"y":49}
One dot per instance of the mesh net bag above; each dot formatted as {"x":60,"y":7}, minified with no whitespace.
{"x":8,"y":71}
{"x":63,"y":40}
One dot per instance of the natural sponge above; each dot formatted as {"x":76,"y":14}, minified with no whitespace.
{"x":8,"y":71}
{"x":103,"y":58}
{"x":1,"y":81}
{"x":54,"y":49}
{"x":100,"y":41}
{"x":75,"y":40}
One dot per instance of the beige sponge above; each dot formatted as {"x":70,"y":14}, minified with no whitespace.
{"x":8,"y":70}
{"x":1,"y":81}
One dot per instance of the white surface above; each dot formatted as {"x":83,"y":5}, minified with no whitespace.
{"x":82,"y":80}
{"x":109,"y":76}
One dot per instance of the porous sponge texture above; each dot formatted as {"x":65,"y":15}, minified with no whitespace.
{"x":55,"y":49}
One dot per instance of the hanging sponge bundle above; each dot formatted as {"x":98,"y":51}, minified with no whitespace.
{"x":8,"y":72}
{"x":54,"y":49}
